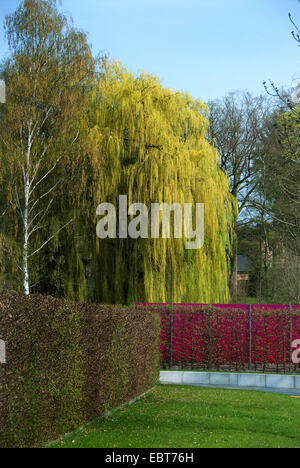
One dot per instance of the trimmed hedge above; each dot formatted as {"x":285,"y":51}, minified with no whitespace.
{"x":67,"y":363}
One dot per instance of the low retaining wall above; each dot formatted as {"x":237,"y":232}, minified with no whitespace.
{"x":275,"y":381}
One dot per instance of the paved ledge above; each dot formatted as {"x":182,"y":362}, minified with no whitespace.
{"x":268,"y":382}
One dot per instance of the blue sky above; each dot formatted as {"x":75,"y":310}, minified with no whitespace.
{"x":206,"y":47}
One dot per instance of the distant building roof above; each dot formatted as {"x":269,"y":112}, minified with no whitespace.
{"x":244,"y":263}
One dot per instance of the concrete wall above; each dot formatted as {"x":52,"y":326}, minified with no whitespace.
{"x":231,"y":380}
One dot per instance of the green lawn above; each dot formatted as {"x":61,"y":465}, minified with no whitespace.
{"x":190,"y":417}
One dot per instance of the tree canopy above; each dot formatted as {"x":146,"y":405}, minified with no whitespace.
{"x":70,"y":141}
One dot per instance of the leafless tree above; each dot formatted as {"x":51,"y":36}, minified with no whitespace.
{"x":236,"y":126}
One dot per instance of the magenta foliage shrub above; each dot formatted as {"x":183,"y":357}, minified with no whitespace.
{"x":228,"y":337}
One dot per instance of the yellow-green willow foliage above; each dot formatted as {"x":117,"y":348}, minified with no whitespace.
{"x":152,"y":146}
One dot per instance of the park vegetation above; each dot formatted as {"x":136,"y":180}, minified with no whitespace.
{"x":78,"y":130}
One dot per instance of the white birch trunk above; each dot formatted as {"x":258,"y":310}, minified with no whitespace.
{"x":25,"y":218}
{"x":29,"y":212}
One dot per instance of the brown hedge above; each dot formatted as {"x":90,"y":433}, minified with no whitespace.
{"x":67,"y":363}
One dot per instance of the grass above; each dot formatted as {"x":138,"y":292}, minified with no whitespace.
{"x":173,"y":416}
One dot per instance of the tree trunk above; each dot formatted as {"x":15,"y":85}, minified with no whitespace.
{"x":26,"y":221}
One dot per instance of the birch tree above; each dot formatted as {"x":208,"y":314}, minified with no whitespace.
{"x":46,"y":76}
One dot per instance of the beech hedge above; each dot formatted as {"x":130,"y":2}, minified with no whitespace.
{"x":67,"y":363}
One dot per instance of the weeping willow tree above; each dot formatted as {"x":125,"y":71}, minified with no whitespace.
{"x":153,"y":148}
